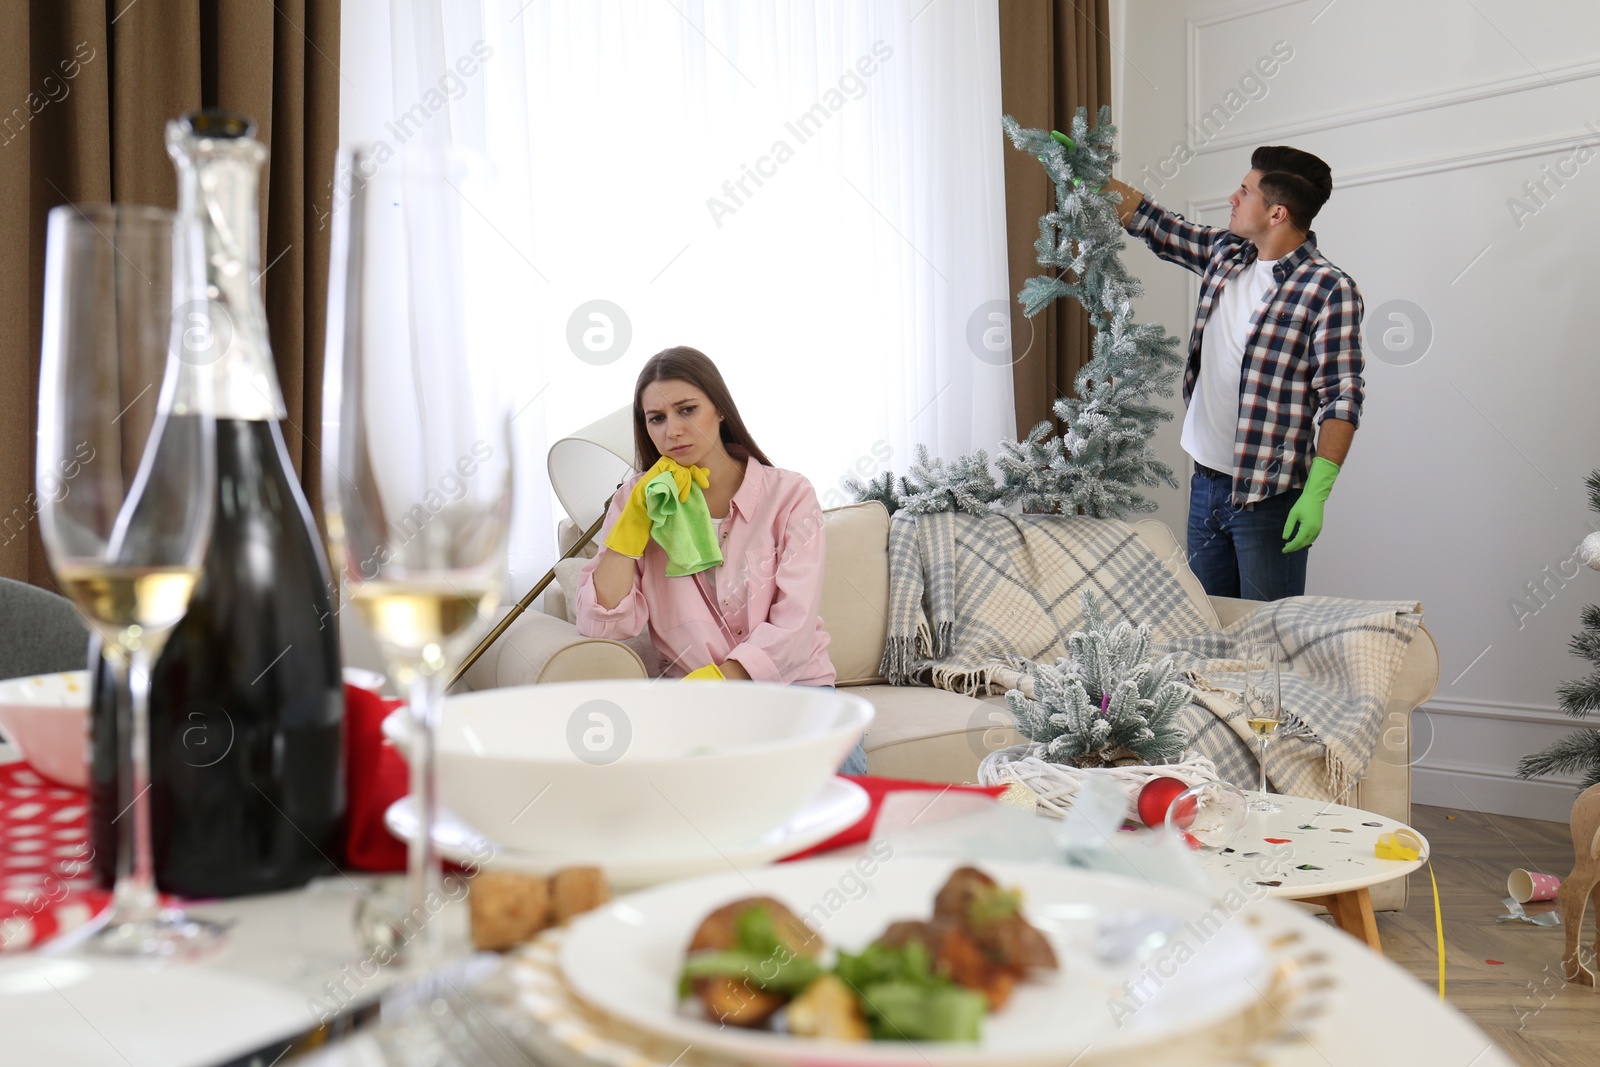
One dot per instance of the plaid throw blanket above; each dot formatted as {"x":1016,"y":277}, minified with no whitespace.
{"x":975,"y":600}
{"x":1339,"y":659}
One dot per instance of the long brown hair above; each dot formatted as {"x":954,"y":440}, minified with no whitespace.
{"x":686,"y":364}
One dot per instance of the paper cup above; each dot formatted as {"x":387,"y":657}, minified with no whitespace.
{"x":1527,"y":886}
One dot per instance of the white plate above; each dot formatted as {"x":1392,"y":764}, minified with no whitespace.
{"x":837,"y":805}
{"x":625,"y":957}
{"x":86,"y":1012}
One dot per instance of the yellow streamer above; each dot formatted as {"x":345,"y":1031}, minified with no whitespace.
{"x":1400,"y":845}
{"x":1438,"y":927}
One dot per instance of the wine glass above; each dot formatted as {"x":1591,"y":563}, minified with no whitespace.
{"x":125,"y":473}
{"x":1208,"y":817}
{"x":419,"y":485}
{"x":1263,"y":708}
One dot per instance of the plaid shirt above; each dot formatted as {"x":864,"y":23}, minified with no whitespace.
{"x":1302,"y":360}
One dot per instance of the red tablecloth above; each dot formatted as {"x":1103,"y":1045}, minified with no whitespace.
{"x":46,"y":886}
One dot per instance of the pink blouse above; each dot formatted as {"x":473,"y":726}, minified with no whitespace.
{"x":768,"y":588}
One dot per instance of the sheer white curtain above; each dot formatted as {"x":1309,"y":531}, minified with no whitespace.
{"x":809,"y":191}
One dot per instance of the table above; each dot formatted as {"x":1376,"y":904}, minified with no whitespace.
{"x":1316,"y":852}
{"x":301,"y":947}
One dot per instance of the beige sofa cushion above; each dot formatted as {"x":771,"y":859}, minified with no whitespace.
{"x":855,"y":590}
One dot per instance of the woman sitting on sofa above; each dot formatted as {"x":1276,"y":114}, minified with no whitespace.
{"x":755,"y":615}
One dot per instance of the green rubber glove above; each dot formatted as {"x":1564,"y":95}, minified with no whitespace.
{"x":1307,"y":511}
{"x":631,"y":533}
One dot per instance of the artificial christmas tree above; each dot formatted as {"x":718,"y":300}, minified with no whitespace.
{"x":1098,"y":466}
{"x":1580,"y":751}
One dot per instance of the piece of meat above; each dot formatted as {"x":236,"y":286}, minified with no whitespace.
{"x":1015,"y":944}
{"x":955,"y":897}
{"x":720,"y":929}
{"x":953,"y":953}
{"x":901,"y":933}
{"x":735,"y":1001}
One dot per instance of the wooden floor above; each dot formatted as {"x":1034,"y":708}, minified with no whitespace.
{"x":1522,"y":1001}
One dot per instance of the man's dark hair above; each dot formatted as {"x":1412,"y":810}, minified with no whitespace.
{"x":1296,"y":180}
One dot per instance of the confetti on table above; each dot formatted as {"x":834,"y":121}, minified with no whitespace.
{"x":1308,"y":867}
{"x":1277,"y":840}
{"x":1376,"y":823}
{"x":1305,"y":826}
{"x":1342,"y":830}
{"x":1269,"y":883}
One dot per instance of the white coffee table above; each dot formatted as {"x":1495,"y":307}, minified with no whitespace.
{"x":1329,"y":860}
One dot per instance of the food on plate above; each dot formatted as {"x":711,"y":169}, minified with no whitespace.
{"x":748,"y":958}
{"x":753,"y":962}
{"x":509,"y":909}
{"x":828,"y":1008}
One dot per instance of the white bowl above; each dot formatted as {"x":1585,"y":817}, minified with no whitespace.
{"x":588,"y":771}
{"x":47,"y":717}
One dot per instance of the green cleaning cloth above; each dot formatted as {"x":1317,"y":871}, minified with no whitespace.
{"x":683,"y":529}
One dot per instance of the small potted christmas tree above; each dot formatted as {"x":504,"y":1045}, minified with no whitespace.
{"x":1104,"y":706}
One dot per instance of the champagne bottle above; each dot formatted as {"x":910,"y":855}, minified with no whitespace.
{"x":247,"y":705}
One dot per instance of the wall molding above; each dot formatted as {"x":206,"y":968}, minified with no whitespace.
{"x":1332,"y":120}
{"x":1437,"y":165}
{"x":1241,"y":11}
{"x":1483,"y":709}
{"x":1492,"y":793}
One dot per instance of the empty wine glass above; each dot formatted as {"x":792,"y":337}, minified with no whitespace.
{"x":1263,"y":708}
{"x":125,"y":474}
{"x":419,"y":483}
{"x":1209,"y":816}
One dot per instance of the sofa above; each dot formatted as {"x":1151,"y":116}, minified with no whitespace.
{"x":920,"y":732}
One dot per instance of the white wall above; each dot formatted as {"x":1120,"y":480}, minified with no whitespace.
{"x":1464,"y":489}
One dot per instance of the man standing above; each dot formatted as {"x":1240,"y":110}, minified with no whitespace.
{"x":1273,"y":383}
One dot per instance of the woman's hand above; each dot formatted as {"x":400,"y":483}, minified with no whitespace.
{"x":631,"y":533}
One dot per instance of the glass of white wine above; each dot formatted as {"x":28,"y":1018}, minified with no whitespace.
{"x":125,"y":471}
{"x":419,"y":479}
{"x":1263,"y":708}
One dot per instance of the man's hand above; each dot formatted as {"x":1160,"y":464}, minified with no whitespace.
{"x":1131,"y":199}
{"x":1305,"y":518}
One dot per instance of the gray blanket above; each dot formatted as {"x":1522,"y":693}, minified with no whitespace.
{"x":976,"y":600}
{"x":1339,"y":660}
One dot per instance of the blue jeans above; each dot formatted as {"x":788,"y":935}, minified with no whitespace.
{"x":1238,"y":551}
{"x":856,"y":761}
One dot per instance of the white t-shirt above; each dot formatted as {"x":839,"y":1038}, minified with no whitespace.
{"x":1212,"y":422}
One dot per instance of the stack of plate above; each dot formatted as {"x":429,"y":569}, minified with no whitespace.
{"x":650,"y":781}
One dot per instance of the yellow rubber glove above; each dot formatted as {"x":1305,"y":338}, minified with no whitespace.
{"x":708,"y":673}
{"x":631,"y":533}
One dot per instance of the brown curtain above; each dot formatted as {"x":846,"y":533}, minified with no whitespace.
{"x":90,"y":85}
{"x":1055,"y":57}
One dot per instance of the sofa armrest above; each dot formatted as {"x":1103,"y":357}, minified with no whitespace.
{"x":1232,"y":609}
{"x":540,"y":648}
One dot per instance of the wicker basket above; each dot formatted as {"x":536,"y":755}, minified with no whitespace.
{"x":1056,"y":785}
